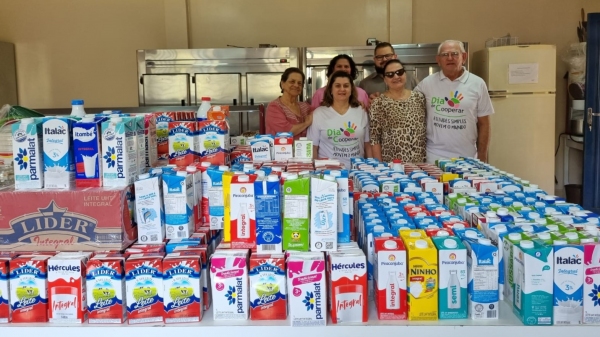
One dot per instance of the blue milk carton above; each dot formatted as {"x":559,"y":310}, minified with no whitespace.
{"x":268,"y":215}
{"x":482,"y":269}
{"x":568,"y":284}
{"x":59,"y":166}
{"x":178,"y":196}
{"x":343,"y":204}
{"x":27,"y":153}
{"x":86,"y":148}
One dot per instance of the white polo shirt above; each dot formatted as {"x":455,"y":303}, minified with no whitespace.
{"x":452,"y":111}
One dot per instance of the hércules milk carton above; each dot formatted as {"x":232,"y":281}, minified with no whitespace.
{"x":67,"y":300}
{"x":5,"y":312}
{"x":27,"y":154}
{"x":296,"y":212}
{"x":390,"y":279}
{"x":182,"y":287}
{"x":144,"y":283}
{"x":323,"y":213}
{"x":242,"y":224}
{"x":118,"y":139}
{"x":568,"y":284}
{"x":348,"y":286}
{"x":87,"y":149}
{"x":229,"y":280}
{"x":106,"y":289}
{"x":149,"y":208}
{"x":59,"y":166}
{"x":29,"y":289}
{"x":267,"y":198}
{"x":183,"y":143}
{"x":268,"y":295}
{"x":306,"y":284}
{"x":422,"y":279}
{"x":591,"y":285}
{"x":162,"y":132}
{"x":178,"y":195}
{"x":483,"y":292}
{"x":452,"y":273}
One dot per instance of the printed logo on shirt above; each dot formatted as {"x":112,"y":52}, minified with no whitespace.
{"x":448,"y":106}
{"x":349,"y":129}
{"x":454,"y":101}
{"x":344,"y":136}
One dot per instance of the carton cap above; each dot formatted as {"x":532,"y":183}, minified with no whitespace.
{"x":404,"y":228}
{"x":243,"y":178}
{"x":292,"y":176}
{"x":144,"y":176}
{"x":116,"y":119}
{"x":559,"y":242}
{"x":87,"y":120}
{"x":223,"y":168}
{"x":449,"y":243}
{"x":586,"y":240}
{"x":485,"y":242}
{"x":191,"y":169}
{"x":378,"y":228}
{"x":527,"y":228}
{"x":527,"y":244}
{"x":181,"y":173}
{"x":502,"y":211}
{"x":421,"y":244}
{"x":470,"y":234}
{"x":501,"y":228}
{"x":458,"y":226}
{"x":552,"y":228}
{"x":329,"y":177}
{"x":205,"y":164}
{"x":571,"y":235}
{"x":591,"y":228}
{"x":544,"y":236}
{"x":514,"y":236}
{"x":541,"y":221}
{"x":386,"y":235}
{"x":443,"y":233}
{"x":415,"y":234}
{"x":432,"y":226}
{"x":303,"y":138}
{"x":390,"y":244}
{"x":534,"y":215}
{"x":401,"y":222}
{"x":272,"y":178}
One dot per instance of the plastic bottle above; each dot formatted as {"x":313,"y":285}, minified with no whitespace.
{"x":77,"y":108}
{"x":202,"y":113}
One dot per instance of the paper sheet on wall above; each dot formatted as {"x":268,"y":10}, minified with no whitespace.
{"x":523,"y":73}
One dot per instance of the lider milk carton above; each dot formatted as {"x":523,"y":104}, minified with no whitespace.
{"x":29,"y":289}
{"x":268,"y":214}
{"x":568,"y":284}
{"x":214,"y":141}
{"x":591,"y":285}
{"x":5,"y":312}
{"x":162,"y":133}
{"x":482,"y":264}
{"x":106,"y":289}
{"x":27,"y":154}
{"x":229,"y":280}
{"x":67,"y":300}
{"x":59,"y":167}
{"x":182,"y":287}
{"x":323,"y":213}
{"x":144,"y":282}
{"x":87,"y":149}
{"x":242,"y":226}
{"x":296,"y":213}
{"x":422,"y":279}
{"x":390,"y":279}
{"x":303,"y":148}
{"x":178,"y":195}
{"x":183,"y":143}
{"x":216,"y":204}
{"x":268,"y":296}
{"x":118,"y":151}
{"x":452,"y":273}
{"x":307,"y":288}
{"x":348,"y":289}
{"x":149,"y":208}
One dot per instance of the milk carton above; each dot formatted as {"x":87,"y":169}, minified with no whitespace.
{"x":511,"y":243}
{"x":59,"y":167}
{"x":28,"y":284}
{"x":229,"y":280}
{"x":533,"y":270}
{"x":390,"y":279}
{"x":303,"y":148}
{"x":344,"y":204}
{"x":141,"y":144}
{"x":27,"y":154}
{"x":452,"y":271}
{"x":296,"y":213}
{"x":67,"y":300}
{"x":268,"y":215}
{"x":162,"y":133}
{"x":149,"y":208}
{"x":106,"y":289}
{"x":144,"y":282}
{"x":87,"y":149}
{"x":307,"y":288}
{"x":182,"y":287}
{"x":591,"y":286}
{"x":348,"y":286}
{"x":214,"y":141}
{"x":242,"y":226}
{"x":482,"y":264}
{"x":324,"y":213}
{"x":183,"y":143}
{"x":283,"y":148}
{"x":261,"y":148}
{"x":150,"y":141}
{"x":196,"y":175}
{"x":178,"y":195}
{"x":216,"y":205}
{"x":422,"y":279}
{"x":119,"y":159}
{"x":268,"y":295}
{"x":5,"y":312}
{"x":568,"y":284}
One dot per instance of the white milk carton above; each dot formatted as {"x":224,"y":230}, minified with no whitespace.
{"x":591,"y":285}
{"x":229,"y":281}
{"x":67,"y":299}
{"x":390,"y":279}
{"x":178,"y":195}
{"x":149,"y":208}
{"x":27,"y":154}
{"x":307,"y":289}
{"x":118,"y":159}
{"x":150,"y":140}
{"x":324,"y":213}
{"x":268,"y":214}
{"x":283,"y":147}
{"x":568,"y":284}
{"x":216,"y":204}
{"x":348,"y":286}
{"x":452,"y":273}
{"x":242,"y":210}
{"x":59,"y":166}
{"x":344,"y":205}
{"x":197,"y":200}
{"x":482,"y":264}
{"x":261,"y":148}
{"x":141,"y":143}
{"x":87,"y":149}
{"x":303,"y":148}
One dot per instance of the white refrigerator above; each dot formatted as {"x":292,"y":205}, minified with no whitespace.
{"x":521,"y":81}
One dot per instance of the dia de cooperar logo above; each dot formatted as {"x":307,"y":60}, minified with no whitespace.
{"x":349,"y":129}
{"x":454,"y":100}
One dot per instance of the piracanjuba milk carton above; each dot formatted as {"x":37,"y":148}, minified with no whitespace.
{"x":27,"y":154}
{"x":452,"y":273}
{"x":59,"y":166}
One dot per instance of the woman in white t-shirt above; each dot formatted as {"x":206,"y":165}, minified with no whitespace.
{"x":340,"y":128}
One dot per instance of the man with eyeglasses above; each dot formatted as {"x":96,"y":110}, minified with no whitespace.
{"x":374,"y":84}
{"x":458,"y":107}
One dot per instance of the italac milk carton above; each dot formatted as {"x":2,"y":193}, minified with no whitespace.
{"x":296,"y":212}
{"x":390,"y":279}
{"x":229,"y":280}
{"x":144,"y":283}
{"x":141,"y":144}
{"x":5,"y":312}
{"x":261,"y":148}
{"x":568,"y":284}
{"x":178,"y":195}
{"x":591,"y":285}
{"x":306,"y":284}
{"x":162,"y":133}
{"x":344,"y":204}
{"x":106,"y":288}
{"x":118,"y":162}
{"x":149,"y":208}
{"x":28,"y":284}
{"x":283,"y":146}
{"x":348,"y":286}
{"x":242,"y":225}
{"x":182,"y":287}
{"x":533,"y":270}
{"x":59,"y":167}
{"x":27,"y":154}
{"x":214,"y":141}
{"x":183,"y":143}
{"x":422,"y":279}
{"x":87,"y":149}
{"x":268,"y":214}
{"x":268,"y":295}
{"x":216,"y":204}
{"x":482,"y":264}
{"x":67,"y":300}
{"x":303,"y":148}
{"x":452,"y":273}
{"x":323,"y":213}
{"x":150,"y":150}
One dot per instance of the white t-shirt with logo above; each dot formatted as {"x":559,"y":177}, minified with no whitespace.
{"x":452,"y":111}
{"x":339,"y":136}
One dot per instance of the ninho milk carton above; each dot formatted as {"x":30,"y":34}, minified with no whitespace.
{"x":452,"y":274}
{"x":106,"y":288}
{"x":390,"y":279}
{"x":87,"y":149}
{"x":28,"y":282}
{"x":59,"y":166}
{"x":144,"y":283}
{"x":568,"y":284}
{"x":67,"y":300}
{"x":229,"y":280}
{"x":242,"y":224}
{"x":306,"y":284}
{"x":324,"y":213}
{"x":422,"y":279}
{"x":182,"y":287}
{"x":348,"y":289}
{"x":268,"y":296}
{"x":483,"y":290}
{"x":5,"y":312}
{"x":296,"y":212}
{"x":267,"y":198}
{"x":591,"y":285}
{"x":27,"y":154}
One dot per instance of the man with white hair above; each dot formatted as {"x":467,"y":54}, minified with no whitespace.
{"x":458,"y":107}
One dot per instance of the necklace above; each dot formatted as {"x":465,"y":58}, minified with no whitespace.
{"x":398,"y":97}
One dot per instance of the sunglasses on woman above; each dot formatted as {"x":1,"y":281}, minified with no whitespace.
{"x":399,"y":72}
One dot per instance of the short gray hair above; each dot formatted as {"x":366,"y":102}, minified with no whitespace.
{"x":459,"y":43}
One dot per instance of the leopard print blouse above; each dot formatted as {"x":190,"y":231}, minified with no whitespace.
{"x":400,"y":127}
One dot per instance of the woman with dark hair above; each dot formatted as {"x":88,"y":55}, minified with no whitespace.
{"x":287,"y":113}
{"x":345,"y":63}
{"x":340,"y":128}
{"x":398,"y":119}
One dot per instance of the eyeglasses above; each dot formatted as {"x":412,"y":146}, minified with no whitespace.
{"x":399,"y":72}
{"x":386,"y":57}
{"x":453,"y":54}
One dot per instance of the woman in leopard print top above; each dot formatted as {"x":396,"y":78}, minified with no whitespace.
{"x":398,"y":127}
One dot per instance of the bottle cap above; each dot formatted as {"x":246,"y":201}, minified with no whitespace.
{"x":449,"y":243}
{"x":421,"y":244}
{"x":243,"y":178}
{"x":484,"y":241}
{"x":206,"y":99}
{"x":77,"y":102}
{"x":527,"y":244}
{"x":390,"y":244}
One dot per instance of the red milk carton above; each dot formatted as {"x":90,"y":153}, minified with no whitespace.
{"x":268,"y":298}
{"x":390,"y":279}
{"x":182,"y":287}
{"x":214,"y":141}
{"x":202,"y":250}
{"x":242,"y":228}
{"x":67,"y":300}
{"x":5,"y":312}
{"x":28,"y":282}
{"x":144,"y":283}
{"x":183,"y":143}
{"x":162,"y":132}
{"x":106,"y":288}
{"x":348,"y":290}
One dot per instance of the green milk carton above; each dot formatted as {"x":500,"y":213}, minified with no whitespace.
{"x":296,"y":213}
{"x":452,"y":273}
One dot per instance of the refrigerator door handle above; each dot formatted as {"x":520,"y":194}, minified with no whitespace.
{"x":590,"y":116}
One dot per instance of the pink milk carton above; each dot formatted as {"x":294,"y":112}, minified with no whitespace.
{"x":307,"y":288}
{"x":348,"y":286}
{"x":229,"y":280}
